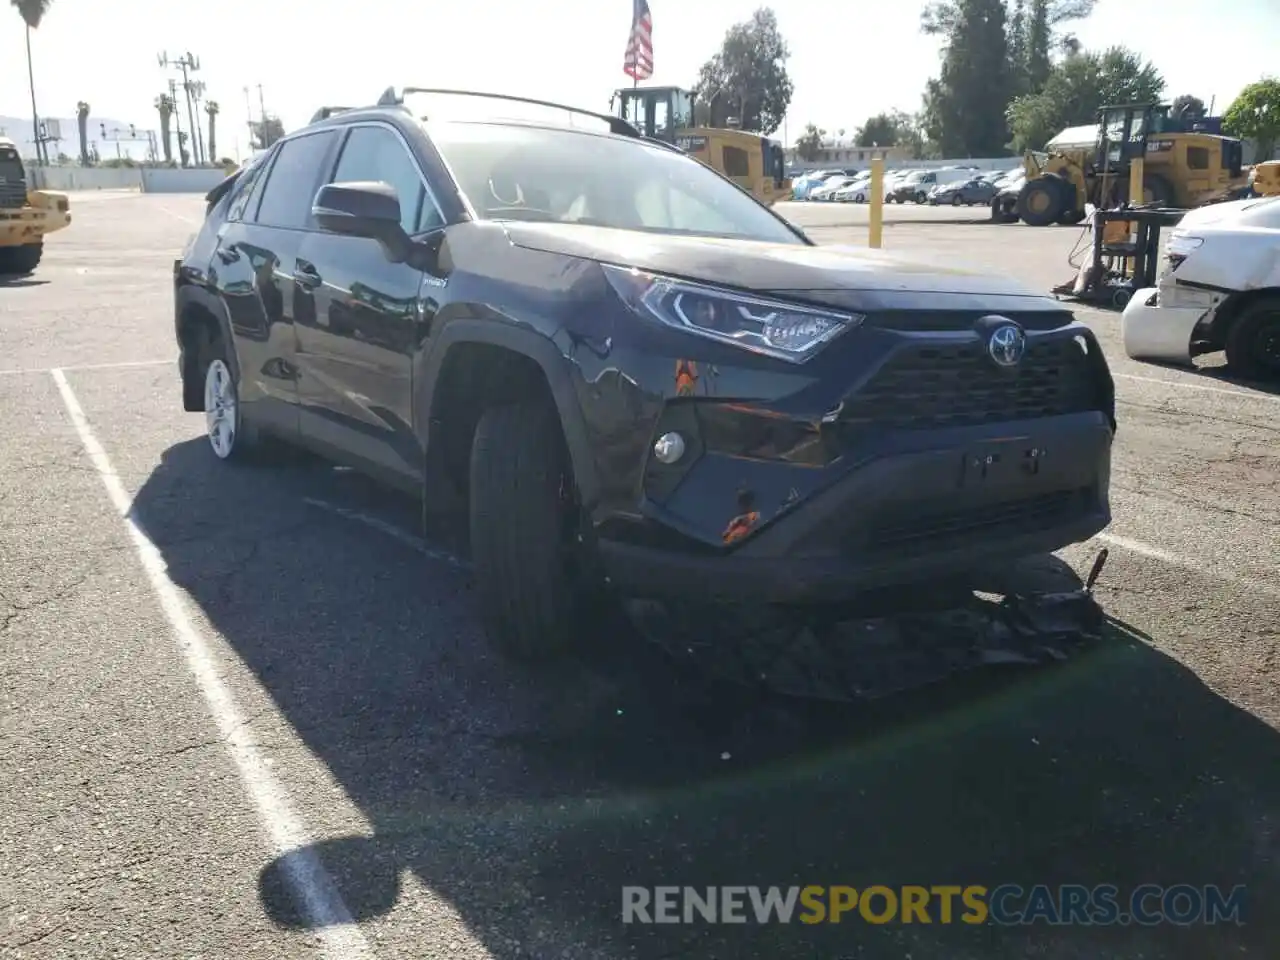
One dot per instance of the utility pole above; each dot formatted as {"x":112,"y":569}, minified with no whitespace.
{"x":177,"y":116}
{"x":188,"y":64}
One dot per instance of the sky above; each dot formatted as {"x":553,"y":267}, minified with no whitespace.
{"x":846,"y":65}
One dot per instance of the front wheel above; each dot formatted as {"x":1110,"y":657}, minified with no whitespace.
{"x":532,"y":573}
{"x":1040,"y":203}
{"x":956,"y":200}
{"x":921,"y":197}
{"x":20,"y":261}
{"x":1253,"y":342}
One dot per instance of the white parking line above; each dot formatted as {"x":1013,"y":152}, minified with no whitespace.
{"x":1199,"y":386}
{"x":91,"y":366}
{"x":1186,"y":563}
{"x":178,"y":216}
{"x":320,"y":900}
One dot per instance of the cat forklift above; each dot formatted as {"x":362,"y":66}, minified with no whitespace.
{"x":1184,"y":167}
{"x":755,"y":163}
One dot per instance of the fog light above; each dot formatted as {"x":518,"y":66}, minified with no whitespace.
{"x":669,"y":448}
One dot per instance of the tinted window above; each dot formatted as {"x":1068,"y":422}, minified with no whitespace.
{"x":377,"y":153}
{"x":736,"y":162}
{"x":243,"y":189}
{"x":1198,"y":158}
{"x":512,"y":172}
{"x":294,"y":178}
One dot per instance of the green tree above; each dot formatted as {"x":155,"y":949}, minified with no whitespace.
{"x":165,"y":106}
{"x":878,"y":131}
{"x":810,"y":142}
{"x":1077,"y":87}
{"x":894,"y":128}
{"x":1187,"y":107}
{"x":82,"y":129}
{"x":748,"y":77}
{"x":1256,"y":114}
{"x":968,"y":99}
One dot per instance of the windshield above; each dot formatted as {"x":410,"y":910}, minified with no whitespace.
{"x":511,"y":172}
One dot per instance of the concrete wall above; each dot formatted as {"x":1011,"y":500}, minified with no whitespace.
{"x":86,"y":178}
{"x":147,"y":179}
{"x":169,"y":180}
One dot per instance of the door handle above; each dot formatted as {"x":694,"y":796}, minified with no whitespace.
{"x":228,"y":254}
{"x":305,"y":274}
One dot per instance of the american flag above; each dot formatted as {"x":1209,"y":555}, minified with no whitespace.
{"x":638,"y":63}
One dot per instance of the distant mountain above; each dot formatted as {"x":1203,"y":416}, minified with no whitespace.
{"x":20,"y":132}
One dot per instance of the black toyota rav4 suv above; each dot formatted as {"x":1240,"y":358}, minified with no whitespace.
{"x":625,"y":373}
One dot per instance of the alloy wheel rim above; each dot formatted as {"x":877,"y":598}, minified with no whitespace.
{"x":220,"y":406}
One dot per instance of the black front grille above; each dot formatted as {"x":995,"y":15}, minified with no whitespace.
{"x":13,"y":195}
{"x":912,"y":535}
{"x":13,"y":185}
{"x":949,"y":385}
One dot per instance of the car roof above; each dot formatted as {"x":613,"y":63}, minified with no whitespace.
{"x":389,"y":106}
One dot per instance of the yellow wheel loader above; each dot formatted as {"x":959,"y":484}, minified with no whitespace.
{"x":754,"y":162}
{"x":26,"y":215}
{"x":1182,"y":167}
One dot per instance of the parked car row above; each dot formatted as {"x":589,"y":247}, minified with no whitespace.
{"x":953,"y":185}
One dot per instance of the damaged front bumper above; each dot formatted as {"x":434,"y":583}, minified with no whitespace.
{"x":1161,"y":323}
{"x":835,"y":656}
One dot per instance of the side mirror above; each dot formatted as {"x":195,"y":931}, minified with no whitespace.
{"x":365,"y":209}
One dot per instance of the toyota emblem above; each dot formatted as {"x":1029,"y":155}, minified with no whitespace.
{"x":1007,"y":345}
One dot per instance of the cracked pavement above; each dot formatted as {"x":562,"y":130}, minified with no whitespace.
{"x":467,"y":809}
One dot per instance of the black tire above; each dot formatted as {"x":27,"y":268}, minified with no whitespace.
{"x":957,"y":200}
{"x":530,"y":564}
{"x":1072,"y":217}
{"x":1253,"y":342}
{"x":246,"y":443}
{"x":921,"y":197}
{"x":1041,"y":202}
{"x":20,"y":261}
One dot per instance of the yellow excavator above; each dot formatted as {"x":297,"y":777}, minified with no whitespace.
{"x":752,"y":161}
{"x":1182,"y":167}
{"x":26,"y":215}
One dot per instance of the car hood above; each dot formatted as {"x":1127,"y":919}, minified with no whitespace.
{"x":1218,"y":214}
{"x":761,"y":267}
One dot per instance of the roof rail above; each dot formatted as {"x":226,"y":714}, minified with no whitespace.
{"x":324,"y":113}
{"x":394,"y":97}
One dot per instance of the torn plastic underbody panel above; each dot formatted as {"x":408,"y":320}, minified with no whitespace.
{"x":832,"y":656}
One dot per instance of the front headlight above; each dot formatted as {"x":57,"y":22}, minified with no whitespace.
{"x":770,"y":327}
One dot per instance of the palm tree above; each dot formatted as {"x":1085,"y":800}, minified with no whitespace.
{"x":32,"y":12}
{"x":165,"y":106}
{"x":211,"y":108}
{"x":82,"y":122}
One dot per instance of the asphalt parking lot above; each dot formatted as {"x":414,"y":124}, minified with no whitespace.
{"x":224,"y":692}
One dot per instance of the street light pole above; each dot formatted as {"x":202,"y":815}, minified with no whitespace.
{"x":41,"y":154}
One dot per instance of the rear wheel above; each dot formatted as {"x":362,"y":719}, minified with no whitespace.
{"x":1041,"y":202}
{"x":921,"y":197}
{"x":532,"y":569}
{"x":1253,"y":342}
{"x":20,"y":261}
{"x":231,"y":438}
{"x":957,"y":200}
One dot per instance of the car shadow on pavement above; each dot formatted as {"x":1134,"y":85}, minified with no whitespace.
{"x":528,"y":801}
